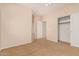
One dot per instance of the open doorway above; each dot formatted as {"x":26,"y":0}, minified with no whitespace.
{"x":33,"y":28}
{"x":64,"y":29}
{"x":44,"y":29}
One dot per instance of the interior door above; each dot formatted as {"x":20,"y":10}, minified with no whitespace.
{"x":39,"y":29}
{"x":75,"y":29}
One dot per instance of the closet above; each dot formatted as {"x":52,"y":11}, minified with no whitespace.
{"x":68,"y":29}
{"x":64,"y":29}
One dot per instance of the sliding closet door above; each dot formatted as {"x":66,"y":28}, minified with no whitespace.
{"x":75,"y":29}
{"x":64,"y":32}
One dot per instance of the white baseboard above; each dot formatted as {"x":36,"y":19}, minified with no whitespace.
{"x":14,"y":45}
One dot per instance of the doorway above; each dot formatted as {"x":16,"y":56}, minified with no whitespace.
{"x":41,"y":29}
{"x":44,"y":29}
{"x":64,"y":29}
{"x":33,"y":28}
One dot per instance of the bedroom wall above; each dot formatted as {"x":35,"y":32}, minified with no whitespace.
{"x":16,"y":25}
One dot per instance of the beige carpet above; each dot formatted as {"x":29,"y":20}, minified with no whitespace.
{"x":41,"y":48}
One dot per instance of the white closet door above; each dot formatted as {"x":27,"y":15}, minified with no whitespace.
{"x":75,"y":29}
{"x":64,"y":32}
{"x":39,"y":29}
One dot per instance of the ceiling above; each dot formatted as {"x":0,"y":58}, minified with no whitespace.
{"x":42,"y":8}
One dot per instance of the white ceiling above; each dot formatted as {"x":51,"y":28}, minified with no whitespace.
{"x":41,"y":8}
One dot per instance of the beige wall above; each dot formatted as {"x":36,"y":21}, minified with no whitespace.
{"x":52,"y":18}
{"x":16,"y":25}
